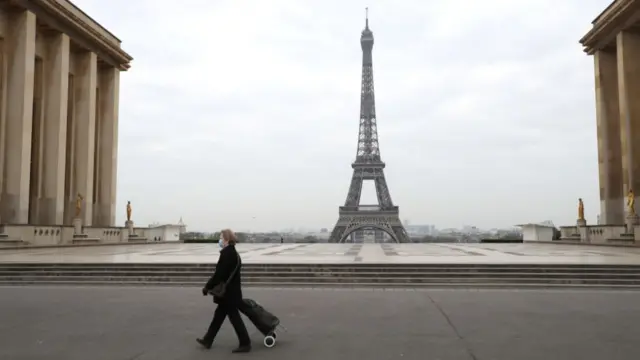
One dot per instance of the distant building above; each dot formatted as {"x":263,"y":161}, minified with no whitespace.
{"x":420,"y":230}
{"x":166,"y":232}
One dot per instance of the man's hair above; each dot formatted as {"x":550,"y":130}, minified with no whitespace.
{"x":229,"y":236}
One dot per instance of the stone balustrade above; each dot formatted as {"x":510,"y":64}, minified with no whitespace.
{"x":34,"y":235}
{"x":600,"y":234}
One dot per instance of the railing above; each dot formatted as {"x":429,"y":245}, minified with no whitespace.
{"x":368,"y":208}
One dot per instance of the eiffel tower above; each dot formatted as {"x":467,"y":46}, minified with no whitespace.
{"x":354,"y":218}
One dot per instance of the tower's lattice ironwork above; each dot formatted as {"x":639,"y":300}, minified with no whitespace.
{"x":368,"y":166}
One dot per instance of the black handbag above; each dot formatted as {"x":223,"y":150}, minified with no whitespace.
{"x":220,"y":289}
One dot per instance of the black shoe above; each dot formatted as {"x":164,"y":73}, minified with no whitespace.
{"x":242,"y":349}
{"x":207,"y":345}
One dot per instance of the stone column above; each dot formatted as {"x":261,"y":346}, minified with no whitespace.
{"x":86,"y":65}
{"x":3,"y":116}
{"x":609,"y":146}
{"x":109,"y":80}
{"x":21,"y":47}
{"x":628,"y":53}
{"x":55,"y":130}
{"x":37,"y":141}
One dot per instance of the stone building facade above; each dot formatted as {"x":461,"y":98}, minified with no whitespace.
{"x":614,"y":42}
{"x":59,"y":95}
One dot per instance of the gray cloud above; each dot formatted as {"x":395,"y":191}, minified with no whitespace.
{"x":241,"y":109}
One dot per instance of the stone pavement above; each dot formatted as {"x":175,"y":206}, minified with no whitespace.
{"x":57,"y":323}
{"x":335,"y":254}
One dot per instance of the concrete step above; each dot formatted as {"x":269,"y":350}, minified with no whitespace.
{"x":378,"y":275}
{"x":351,"y":267}
{"x":308,"y":274}
{"x":325,"y":269}
{"x":317,"y":280}
{"x":382,"y":285}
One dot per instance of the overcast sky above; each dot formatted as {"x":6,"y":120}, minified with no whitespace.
{"x":244,"y":113}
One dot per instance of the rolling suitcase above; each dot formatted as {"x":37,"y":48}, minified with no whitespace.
{"x":263,"y":320}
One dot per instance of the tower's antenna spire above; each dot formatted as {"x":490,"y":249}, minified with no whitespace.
{"x":366,"y":17}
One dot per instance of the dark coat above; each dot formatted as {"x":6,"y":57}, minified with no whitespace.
{"x":227,"y":263}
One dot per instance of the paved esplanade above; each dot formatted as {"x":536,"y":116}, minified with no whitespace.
{"x":58,"y":323}
{"x":335,"y":253}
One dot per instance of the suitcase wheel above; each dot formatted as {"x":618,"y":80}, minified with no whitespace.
{"x":270,"y":340}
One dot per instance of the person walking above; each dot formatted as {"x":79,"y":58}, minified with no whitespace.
{"x":226,"y":288}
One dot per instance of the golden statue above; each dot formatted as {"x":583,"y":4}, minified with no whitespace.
{"x":631,"y":202}
{"x":580,"y":210}
{"x":79,"y":199}
{"x":128,"y":210}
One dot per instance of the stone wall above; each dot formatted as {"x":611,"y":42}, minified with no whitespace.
{"x":33,"y":235}
{"x":600,"y":234}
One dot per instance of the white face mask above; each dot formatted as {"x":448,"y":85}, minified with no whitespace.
{"x":221,"y":243}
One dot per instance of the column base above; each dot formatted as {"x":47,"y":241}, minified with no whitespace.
{"x":581,"y":222}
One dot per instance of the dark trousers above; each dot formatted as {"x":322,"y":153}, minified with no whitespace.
{"x":223,"y":310}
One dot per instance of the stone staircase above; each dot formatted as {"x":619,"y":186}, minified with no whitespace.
{"x":329,"y":275}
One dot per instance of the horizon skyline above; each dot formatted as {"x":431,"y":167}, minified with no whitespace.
{"x":302,"y":229}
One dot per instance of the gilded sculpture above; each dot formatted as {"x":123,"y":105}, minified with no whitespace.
{"x":128,"y":210}
{"x":631,"y":202}
{"x":580,"y":210}
{"x":79,"y":199}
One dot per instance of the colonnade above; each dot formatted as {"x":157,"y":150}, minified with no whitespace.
{"x":58,"y":128}
{"x":617,"y":76}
